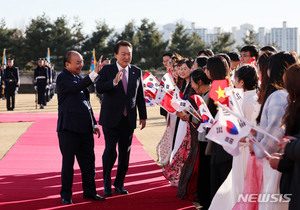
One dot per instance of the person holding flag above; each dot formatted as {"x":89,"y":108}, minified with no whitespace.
{"x":217,"y":70}
{"x":290,"y":143}
{"x":195,"y":173}
{"x":246,"y":79}
{"x":271,"y":113}
{"x":184,"y":134}
{"x":165,"y":145}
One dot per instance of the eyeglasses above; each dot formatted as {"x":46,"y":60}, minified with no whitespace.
{"x":244,"y":56}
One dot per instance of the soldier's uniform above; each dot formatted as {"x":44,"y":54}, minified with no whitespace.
{"x":40,"y":83}
{"x":11,"y":82}
{"x":1,"y":82}
{"x":48,"y":80}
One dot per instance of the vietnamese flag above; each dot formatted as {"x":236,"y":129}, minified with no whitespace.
{"x":217,"y":91}
{"x":166,"y":103}
{"x":150,"y":94}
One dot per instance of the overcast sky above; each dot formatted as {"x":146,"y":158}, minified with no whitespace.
{"x":117,"y":13}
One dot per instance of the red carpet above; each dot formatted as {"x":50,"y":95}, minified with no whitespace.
{"x":30,"y":174}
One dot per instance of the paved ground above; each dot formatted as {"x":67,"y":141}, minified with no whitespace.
{"x":25,"y":103}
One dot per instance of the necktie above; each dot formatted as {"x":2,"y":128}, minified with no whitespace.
{"x":124,"y":81}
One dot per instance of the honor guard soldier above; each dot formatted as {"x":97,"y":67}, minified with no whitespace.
{"x":11,"y":83}
{"x":53,"y":78}
{"x":2,"y":81}
{"x":40,"y":83}
{"x":45,"y":64}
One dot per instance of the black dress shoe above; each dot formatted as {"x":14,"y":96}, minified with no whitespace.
{"x":107,"y":192}
{"x":66,"y":201}
{"x":121,"y":190}
{"x":94,"y":197}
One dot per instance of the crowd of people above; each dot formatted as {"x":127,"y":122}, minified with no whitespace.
{"x":44,"y":83}
{"x":201,"y":169}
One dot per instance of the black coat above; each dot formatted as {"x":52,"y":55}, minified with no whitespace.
{"x":292,"y":152}
{"x":11,"y":79}
{"x":73,"y":114}
{"x":40,"y":76}
{"x":114,"y":98}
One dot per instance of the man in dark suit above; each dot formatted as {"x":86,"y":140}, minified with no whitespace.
{"x":121,"y":86}
{"x":76,"y":125}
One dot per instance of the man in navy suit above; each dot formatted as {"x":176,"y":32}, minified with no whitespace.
{"x":121,"y":86}
{"x":76,"y":125}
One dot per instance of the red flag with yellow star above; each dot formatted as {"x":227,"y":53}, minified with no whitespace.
{"x":217,"y":91}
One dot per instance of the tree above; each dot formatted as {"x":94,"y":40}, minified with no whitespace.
{"x":38,"y":38}
{"x":98,"y":42}
{"x":129,"y":34}
{"x":150,"y":45}
{"x":60,"y":41}
{"x":180,"y":41}
{"x":185,"y":44}
{"x":77,"y":35}
{"x":250,"y":38}
{"x":13,"y":41}
{"x":223,"y":44}
{"x":195,"y":45}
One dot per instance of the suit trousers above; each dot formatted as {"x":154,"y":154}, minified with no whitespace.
{"x":122,"y":135}
{"x":80,"y":146}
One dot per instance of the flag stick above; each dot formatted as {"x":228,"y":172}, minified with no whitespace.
{"x":237,"y":103}
{"x":260,"y":130}
{"x":193,"y":115}
{"x":251,"y":137}
{"x":258,"y":144}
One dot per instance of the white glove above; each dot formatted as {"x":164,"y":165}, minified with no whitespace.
{"x":35,"y":87}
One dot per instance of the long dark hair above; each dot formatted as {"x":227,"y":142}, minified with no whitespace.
{"x":292,"y":85}
{"x":278,"y":64}
{"x":263,"y":62}
{"x":198,"y":75}
{"x":218,"y":67}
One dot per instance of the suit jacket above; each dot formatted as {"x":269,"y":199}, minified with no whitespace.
{"x":72,"y":94}
{"x":114,"y":98}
